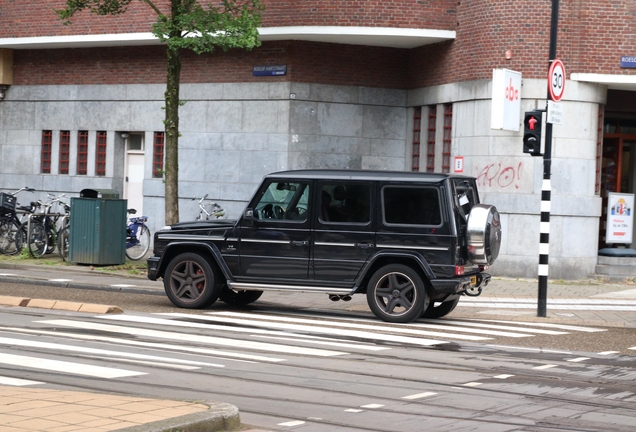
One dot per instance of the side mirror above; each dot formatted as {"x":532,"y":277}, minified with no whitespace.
{"x":248,"y":217}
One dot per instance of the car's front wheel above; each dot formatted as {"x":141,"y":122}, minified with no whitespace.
{"x":396,"y":293}
{"x":191,"y":282}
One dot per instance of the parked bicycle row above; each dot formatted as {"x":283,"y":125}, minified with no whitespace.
{"x":43,"y":227}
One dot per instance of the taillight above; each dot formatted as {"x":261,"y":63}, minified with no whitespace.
{"x":459,"y":270}
{"x":483,"y":268}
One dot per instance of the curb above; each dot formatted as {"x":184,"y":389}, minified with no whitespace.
{"x":220,"y":417}
{"x":78,"y":285}
{"x":60,"y":305}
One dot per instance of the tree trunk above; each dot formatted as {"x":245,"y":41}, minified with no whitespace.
{"x":172,"y":136}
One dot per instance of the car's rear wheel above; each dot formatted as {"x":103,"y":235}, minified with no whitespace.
{"x":190,"y":282}
{"x":396,"y":293}
{"x":441,"y":309}
{"x":239,"y":298}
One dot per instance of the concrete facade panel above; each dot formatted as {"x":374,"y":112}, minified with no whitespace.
{"x":340,"y":119}
{"x":384,"y":122}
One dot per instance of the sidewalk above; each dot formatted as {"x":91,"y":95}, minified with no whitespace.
{"x":32,"y":409}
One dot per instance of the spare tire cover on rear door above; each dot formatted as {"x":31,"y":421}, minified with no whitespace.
{"x":483,"y":234}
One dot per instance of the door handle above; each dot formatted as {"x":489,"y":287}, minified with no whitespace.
{"x":363,"y":245}
{"x":299,"y":243}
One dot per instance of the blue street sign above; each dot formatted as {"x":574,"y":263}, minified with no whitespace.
{"x":628,"y":61}
{"x":269,"y":70}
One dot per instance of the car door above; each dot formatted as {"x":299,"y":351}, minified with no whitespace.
{"x":344,"y":237}
{"x":275,"y":234}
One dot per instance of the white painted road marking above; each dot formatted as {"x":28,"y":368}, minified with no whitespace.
{"x":419,"y":395}
{"x":17,"y":381}
{"x":99,"y":352}
{"x":184,"y":337}
{"x":547,"y":325}
{"x":66,"y":367}
{"x":548,"y":366}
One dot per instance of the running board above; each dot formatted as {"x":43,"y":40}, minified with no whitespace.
{"x":239,"y":286}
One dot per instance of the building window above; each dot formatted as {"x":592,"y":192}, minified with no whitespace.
{"x":47,"y":144}
{"x":430,"y":138}
{"x":446,"y":143}
{"x":82,"y":152}
{"x":65,"y":151}
{"x":157,"y":155}
{"x":100,"y":154}
{"x":417,"y":129}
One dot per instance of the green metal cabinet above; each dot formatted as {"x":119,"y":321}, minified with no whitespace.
{"x":98,"y":228}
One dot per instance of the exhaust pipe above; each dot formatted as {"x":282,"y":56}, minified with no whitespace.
{"x":334,"y":297}
{"x":345,"y":297}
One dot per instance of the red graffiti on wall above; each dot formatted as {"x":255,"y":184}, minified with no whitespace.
{"x":496,"y":174}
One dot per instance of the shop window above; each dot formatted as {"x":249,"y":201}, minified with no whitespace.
{"x":157,"y":155}
{"x":100,"y":154}
{"x":65,"y":151}
{"x":47,"y":145}
{"x":82,"y":152}
{"x":430,"y":138}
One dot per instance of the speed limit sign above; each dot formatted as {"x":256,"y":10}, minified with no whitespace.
{"x":556,"y":80}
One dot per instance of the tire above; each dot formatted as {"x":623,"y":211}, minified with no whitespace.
{"x":441,"y":310}
{"x":396,"y":293}
{"x":239,"y":298}
{"x":139,"y":250}
{"x":38,"y":240}
{"x":10,"y":237}
{"x":62,"y":243}
{"x":483,"y":234}
{"x":191,"y":282}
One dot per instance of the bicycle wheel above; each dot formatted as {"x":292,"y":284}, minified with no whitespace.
{"x":140,"y":247}
{"x":38,"y":241}
{"x":10,"y":239}
{"x":62,"y":243}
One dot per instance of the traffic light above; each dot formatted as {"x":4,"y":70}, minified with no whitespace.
{"x":532,"y":132}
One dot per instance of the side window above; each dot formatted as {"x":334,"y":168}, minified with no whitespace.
{"x":345,"y":202}
{"x":403,"y":205}
{"x":283,"y":201}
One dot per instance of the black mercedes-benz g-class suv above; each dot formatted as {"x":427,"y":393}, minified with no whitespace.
{"x":413,"y":242}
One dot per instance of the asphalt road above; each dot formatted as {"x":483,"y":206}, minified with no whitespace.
{"x":324,"y":369}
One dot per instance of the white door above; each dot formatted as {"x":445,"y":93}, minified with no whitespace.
{"x":134,"y":180}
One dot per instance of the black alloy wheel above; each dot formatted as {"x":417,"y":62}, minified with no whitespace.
{"x":396,"y":293}
{"x":441,"y":309}
{"x":239,"y":298}
{"x":190,"y":282}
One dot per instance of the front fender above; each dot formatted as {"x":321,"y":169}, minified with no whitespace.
{"x":178,"y":247}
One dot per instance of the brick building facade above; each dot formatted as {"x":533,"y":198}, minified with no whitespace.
{"x":397,"y":85}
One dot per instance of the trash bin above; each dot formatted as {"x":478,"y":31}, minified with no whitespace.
{"x":98,"y":228}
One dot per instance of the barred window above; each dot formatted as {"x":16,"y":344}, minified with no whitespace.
{"x":47,"y":144}
{"x":157,"y":155}
{"x":82,"y":152}
{"x":65,"y":151}
{"x":100,"y":154}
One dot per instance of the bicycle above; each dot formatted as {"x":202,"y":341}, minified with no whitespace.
{"x":137,"y":236}
{"x":207,"y":210}
{"x":11,"y":235}
{"x":42,"y":229}
{"x":64,"y":233}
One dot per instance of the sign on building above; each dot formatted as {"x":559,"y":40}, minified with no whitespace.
{"x":620,"y":218}
{"x":506,"y":100}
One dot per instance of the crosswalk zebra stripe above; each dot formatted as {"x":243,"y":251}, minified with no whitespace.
{"x":289,"y":327}
{"x":521,"y":305}
{"x":287,"y":323}
{"x":18,"y":382}
{"x":99,"y":352}
{"x":323,"y":342}
{"x":66,"y":367}
{"x":460,"y":324}
{"x":547,"y":325}
{"x":184,"y":337}
{"x":226,"y":355}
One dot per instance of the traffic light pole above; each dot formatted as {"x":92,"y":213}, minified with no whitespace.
{"x":546,"y":188}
